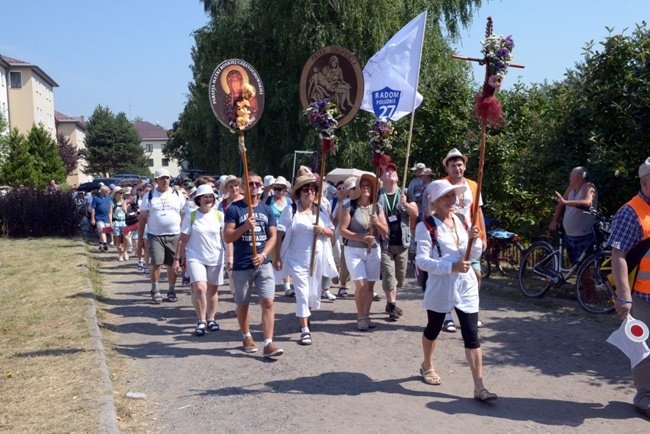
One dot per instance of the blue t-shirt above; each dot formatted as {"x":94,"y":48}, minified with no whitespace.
{"x":237,"y":213}
{"x":100,"y":205}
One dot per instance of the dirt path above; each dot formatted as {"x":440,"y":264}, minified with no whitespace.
{"x":548,"y":362}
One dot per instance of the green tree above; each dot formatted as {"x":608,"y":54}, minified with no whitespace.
{"x":4,"y":126}
{"x":47,"y":162}
{"x":113,"y":144}
{"x":19,"y":166}
{"x":69,"y":153}
{"x":249,"y":30}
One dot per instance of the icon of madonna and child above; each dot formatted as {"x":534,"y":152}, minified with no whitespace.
{"x":236,"y":83}
{"x":329,"y":83}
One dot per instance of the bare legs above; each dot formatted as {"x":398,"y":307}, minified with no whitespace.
{"x":268,"y":317}
{"x":205,"y":300}
{"x":363,"y":291}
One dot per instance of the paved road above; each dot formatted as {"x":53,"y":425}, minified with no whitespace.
{"x":548,"y":362}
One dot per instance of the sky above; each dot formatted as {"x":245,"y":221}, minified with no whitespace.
{"x":134,"y":56}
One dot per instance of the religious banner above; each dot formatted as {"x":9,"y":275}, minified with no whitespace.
{"x":236,"y":94}
{"x":333,"y":74}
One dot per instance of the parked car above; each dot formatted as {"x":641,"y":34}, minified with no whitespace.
{"x":145,"y":179}
{"x":107,"y":181}
{"x":126,"y":176}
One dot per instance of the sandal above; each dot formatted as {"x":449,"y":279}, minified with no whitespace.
{"x":155,"y":296}
{"x":484,"y":395}
{"x":200,"y":328}
{"x":430,"y":376}
{"x":305,"y":338}
{"x":371,"y":324}
{"x":363,"y":323}
{"x":212,"y":325}
{"x":343,"y":292}
{"x":171,"y":297}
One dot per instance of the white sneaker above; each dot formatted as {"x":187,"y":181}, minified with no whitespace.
{"x":126,"y":256}
{"x":289,"y":292}
{"x":327,"y":295}
{"x":479,"y":324}
{"x":121,"y":258}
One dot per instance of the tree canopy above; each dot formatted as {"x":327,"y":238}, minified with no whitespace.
{"x":113,"y":145}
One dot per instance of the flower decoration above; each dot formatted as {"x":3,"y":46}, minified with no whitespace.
{"x":498,"y":51}
{"x":381,"y":135}
{"x":323,"y":115}
{"x":242,"y":108}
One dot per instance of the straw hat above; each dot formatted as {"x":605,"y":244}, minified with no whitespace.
{"x":117,"y":190}
{"x":300,"y":182}
{"x":454,"y":153}
{"x":280,"y":180}
{"x":356,"y":193}
{"x":224,"y":185}
{"x":126,"y":190}
{"x":439,"y":188}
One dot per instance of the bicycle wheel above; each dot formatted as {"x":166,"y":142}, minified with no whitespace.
{"x":531,"y":283}
{"x":594,"y":291}
{"x":486,"y":267}
{"x":509,"y":255}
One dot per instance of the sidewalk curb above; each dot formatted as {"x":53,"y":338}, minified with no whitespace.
{"x":107,"y":414}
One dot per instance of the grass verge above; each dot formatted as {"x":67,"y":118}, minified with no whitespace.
{"x":48,"y":368}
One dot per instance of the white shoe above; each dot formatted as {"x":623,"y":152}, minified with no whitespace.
{"x":327,"y":295}
{"x":479,"y":324}
{"x":289,"y":292}
{"x":126,"y":256}
{"x":121,"y":258}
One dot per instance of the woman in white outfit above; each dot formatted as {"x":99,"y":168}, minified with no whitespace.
{"x":296,"y":231}
{"x":363,"y":262}
{"x":451,"y":283}
{"x":201,"y":234}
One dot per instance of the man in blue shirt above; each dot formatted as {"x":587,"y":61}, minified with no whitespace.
{"x":249,"y":269}
{"x":99,"y":215}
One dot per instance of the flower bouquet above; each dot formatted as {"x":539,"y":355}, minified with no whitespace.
{"x":381,"y":136}
{"x":323,"y":115}
{"x":242,"y":108}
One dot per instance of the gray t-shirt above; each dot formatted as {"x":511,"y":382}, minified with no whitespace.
{"x":360,"y":223}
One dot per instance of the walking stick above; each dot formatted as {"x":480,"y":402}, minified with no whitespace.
{"x":327,"y":145}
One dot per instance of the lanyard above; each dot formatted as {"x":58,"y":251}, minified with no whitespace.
{"x":388,"y":205}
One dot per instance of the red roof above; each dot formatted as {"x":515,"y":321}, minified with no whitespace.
{"x":60,"y":117}
{"x":21,"y":63}
{"x":147,"y":130}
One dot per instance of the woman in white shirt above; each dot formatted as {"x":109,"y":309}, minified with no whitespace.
{"x":201,"y":235}
{"x":296,"y":230}
{"x":451,"y":282}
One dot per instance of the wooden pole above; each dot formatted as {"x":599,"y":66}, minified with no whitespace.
{"x":373,"y":200}
{"x":242,"y":148}
{"x":479,"y":183}
{"x":318,"y":203}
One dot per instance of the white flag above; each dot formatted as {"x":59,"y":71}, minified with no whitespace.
{"x":635,"y":351}
{"x":391,"y":75}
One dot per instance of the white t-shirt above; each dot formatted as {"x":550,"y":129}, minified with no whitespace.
{"x":464,"y":201}
{"x":204,"y":244}
{"x":164,"y":212}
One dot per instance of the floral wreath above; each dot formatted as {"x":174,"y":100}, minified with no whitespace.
{"x":323,"y":115}
{"x":498,"y":51}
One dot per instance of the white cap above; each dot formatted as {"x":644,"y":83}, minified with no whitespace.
{"x":161,"y":173}
{"x":268,"y":180}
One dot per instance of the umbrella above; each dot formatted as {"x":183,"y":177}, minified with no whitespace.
{"x":89,"y":186}
{"x":339,"y":174}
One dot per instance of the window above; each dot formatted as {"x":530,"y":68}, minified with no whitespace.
{"x":150,"y":162}
{"x":148,"y":148}
{"x":165,"y":162}
{"x":16,"y":79}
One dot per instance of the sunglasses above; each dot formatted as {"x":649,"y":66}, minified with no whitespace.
{"x":278,"y":188}
{"x":340,"y":188}
{"x":255,"y":184}
{"x":308,"y":188}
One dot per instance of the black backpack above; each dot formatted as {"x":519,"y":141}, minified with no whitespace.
{"x":420,"y":275}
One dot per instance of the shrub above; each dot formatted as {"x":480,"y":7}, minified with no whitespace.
{"x":26,"y":212}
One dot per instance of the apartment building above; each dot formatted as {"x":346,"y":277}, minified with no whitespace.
{"x":153,"y":140}
{"x":27,"y":95}
{"x":74,"y":129}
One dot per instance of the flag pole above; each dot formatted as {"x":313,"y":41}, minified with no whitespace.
{"x":415,"y":93}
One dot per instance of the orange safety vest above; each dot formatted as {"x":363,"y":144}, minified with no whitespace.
{"x":642,"y":210}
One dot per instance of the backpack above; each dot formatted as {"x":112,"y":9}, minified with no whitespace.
{"x":150,"y":195}
{"x":268,"y":200}
{"x":193,"y":216}
{"x":118,"y":212}
{"x":430,"y":223}
{"x":353,"y":207}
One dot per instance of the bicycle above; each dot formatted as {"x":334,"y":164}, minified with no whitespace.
{"x":541,"y":268}
{"x":504,"y":251}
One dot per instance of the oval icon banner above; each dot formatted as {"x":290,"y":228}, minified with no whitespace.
{"x":333,"y":73}
{"x":227,"y":84}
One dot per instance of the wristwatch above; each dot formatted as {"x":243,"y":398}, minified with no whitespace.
{"x":265,"y":255}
